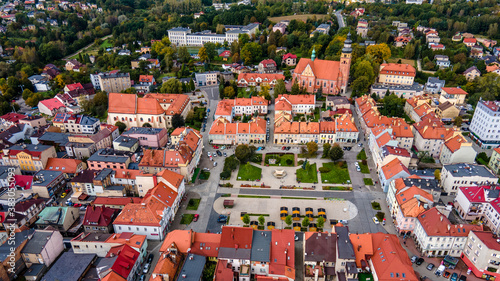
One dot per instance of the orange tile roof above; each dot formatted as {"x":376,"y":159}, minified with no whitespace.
{"x":129,"y":173}
{"x":455,"y":143}
{"x":309,"y":128}
{"x":176,"y":102}
{"x":167,"y":265}
{"x":137,"y":214}
{"x":146,"y":78}
{"x":122,"y":103}
{"x":181,"y":238}
{"x":411,"y":201}
{"x":383,"y":139}
{"x":393,"y":168}
{"x":436,"y":224}
{"x":224,"y":107}
{"x":296,"y":99}
{"x":191,"y":140}
{"x":113,"y":276}
{"x":423,"y":109}
{"x":345,"y":123}
{"x":363,"y":247}
{"x":178,"y":131}
{"x":327,"y":127}
{"x":206,"y":244}
{"x":223,"y":271}
{"x":127,"y":238}
{"x":240,"y":237}
{"x":454,"y":91}
{"x":173,"y":178}
{"x":434,"y":130}
{"x":145,"y":106}
{"x":390,"y":260}
{"x":497,"y":150}
{"x":397,"y":69}
{"x":266,"y":77}
{"x":322,"y":69}
{"x":62,"y":164}
{"x":492,"y":67}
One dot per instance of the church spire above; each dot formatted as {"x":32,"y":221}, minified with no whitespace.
{"x":313,"y":55}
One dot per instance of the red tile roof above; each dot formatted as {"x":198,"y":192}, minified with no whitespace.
{"x":266,"y":77}
{"x":436,"y":224}
{"x":75,"y":86}
{"x":236,"y":237}
{"x":282,"y":253}
{"x":393,"y":168}
{"x":225,"y":54}
{"x":65,"y":165}
{"x":397,"y":69}
{"x":289,"y":55}
{"x":488,"y":239}
{"x":146,"y":78}
{"x":125,"y":261}
{"x":99,"y":216}
{"x":12,"y":117}
{"x":454,"y":91}
{"x":223,"y":271}
{"x":108,"y":201}
{"x":268,"y":61}
{"x":52,"y":104}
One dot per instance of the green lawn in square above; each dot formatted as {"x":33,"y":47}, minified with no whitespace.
{"x":368,"y":181}
{"x":362,"y":155}
{"x":309,"y":175}
{"x":248,"y":172}
{"x":336,"y":175}
{"x":282,"y":159}
{"x":187,"y":218}
{"x":193,"y":204}
{"x":364,"y":168}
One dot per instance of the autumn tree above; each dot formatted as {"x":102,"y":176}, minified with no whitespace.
{"x":381,"y":52}
{"x":202,"y":53}
{"x":279,"y":88}
{"x":229,"y":92}
{"x":172,"y":86}
{"x":326,"y":150}
{"x":312,"y":148}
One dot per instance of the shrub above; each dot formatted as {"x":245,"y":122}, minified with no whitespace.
{"x":364,"y":162}
{"x":289,"y":161}
{"x":300,"y":162}
{"x":324,"y":170}
{"x":225,"y":175}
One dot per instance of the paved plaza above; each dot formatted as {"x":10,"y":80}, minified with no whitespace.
{"x":338,"y":209}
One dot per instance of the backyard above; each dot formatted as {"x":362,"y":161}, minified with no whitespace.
{"x":249,"y":172}
{"x":281,"y":159}
{"x":338,"y":173}
{"x":309,"y":175}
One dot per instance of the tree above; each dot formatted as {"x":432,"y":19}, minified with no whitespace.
{"x":295,"y":89}
{"x":288,"y":220}
{"x":261,"y":220}
{"x":147,"y":125}
{"x":437,"y":174}
{"x":409,"y":51}
{"x":177,"y":121}
{"x":364,"y":68}
{"x":121,"y":126}
{"x":210,"y":48}
{"x":458,"y":121}
{"x":321,"y":222}
{"x":202,"y":53}
{"x":305,"y":222}
{"x":229,"y":92}
{"x":246,"y":219}
{"x":360,"y":85}
{"x":235,"y":58}
{"x":184,"y":55}
{"x":242,"y":152}
{"x":380,"y":52}
{"x":251,"y":52}
{"x":264,"y":92}
{"x":312,"y":148}
{"x":280,"y":88}
{"x":172,"y":86}
{"x":336,"y":152}
{"x":326,"y":150}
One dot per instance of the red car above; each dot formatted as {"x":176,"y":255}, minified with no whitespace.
{"x":283,"y":148}
{"x":77,"y":205}
{"x":216,"y":147}
{"x":67,"y":190}
{"x":196,"y":216}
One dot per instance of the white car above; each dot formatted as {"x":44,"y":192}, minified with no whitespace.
{"x":209,"y":154}
{"x":215,"y":164}
{"x":375,"y":220}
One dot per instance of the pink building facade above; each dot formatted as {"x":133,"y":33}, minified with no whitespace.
{"x":149,"y":137}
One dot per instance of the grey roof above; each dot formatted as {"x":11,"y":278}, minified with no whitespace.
{"x":261,"y":246}
{"x":18,"y":239}
{"x":114,"y":75}
{"x":469,"y":170}
{"x":115,"y":187}
{"x":58,"y":138}
{"x":338,"y":99}
{"x":425,"y":173}
{"x":345,"y":248}
{"x":470,"y":69}
{"x":192,"y":268}
{"x":323,"y":25}
{"x":35,"y":271}
{"x":4,"y":172}
{"x":31,"y":147}
{"x":109,"y":156}
{"x":441,"y":57}
{"x":180,"y":29}
{"x":69,"y":266}
{"x":428,"y":184}
{"x":321,"y":246}
{"x":249,"y":26}
{"x":87,"y":120}
{"x":126,"y":141}
{"x":414,"y":87}
{"x":143,"y":130}
{"x":103,"y":174}
{"x":45,"y":177}
{"x":36,"y":244}
{"x":235,"y":253}
{"x":435,"y":80}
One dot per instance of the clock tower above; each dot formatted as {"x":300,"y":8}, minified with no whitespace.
{"x":345,"y":63}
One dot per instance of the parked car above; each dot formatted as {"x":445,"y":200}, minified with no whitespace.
{"x":420,"y":261}
{"x":196,"y":216}
{"x":219,"y":153}
{"x":77,"y":205}
{"x":296,"y":237}
{"x":454,"y":277}
{"x":222,"y":218}
{"x":150,"y":258}
{"x":63,"y":195}
{"x":375,"y":220}
{"x":143,"y":277}
{"x":215,"y":164}
{"x":209,"y":154}
{"x":283,"y":148}
{"x":462,"y":278}
{"x":414,"y":259}
{"x":225,"y":154}
{"x":430,"y":266}
{"x":146,"y":268}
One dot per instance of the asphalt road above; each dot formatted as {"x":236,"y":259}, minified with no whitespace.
{"x":340,"y":19}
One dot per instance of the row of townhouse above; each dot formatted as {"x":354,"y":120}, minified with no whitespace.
{"x":225,"y":132}
{"x":229,"y":108}
{"x":342,"y":129}
{"x":181,"y":36}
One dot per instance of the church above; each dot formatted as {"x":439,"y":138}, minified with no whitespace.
{"x":329,"y":76}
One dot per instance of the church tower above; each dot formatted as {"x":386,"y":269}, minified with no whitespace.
{"x":345,"y":62}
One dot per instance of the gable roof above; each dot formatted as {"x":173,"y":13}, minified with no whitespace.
{"x":320,"y":246}
{"x":397,"y":69}
{"x":99,"y":216}
{"x":322,"y":69}
{"x":393,"y":168}
{"x":435,"y":223}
